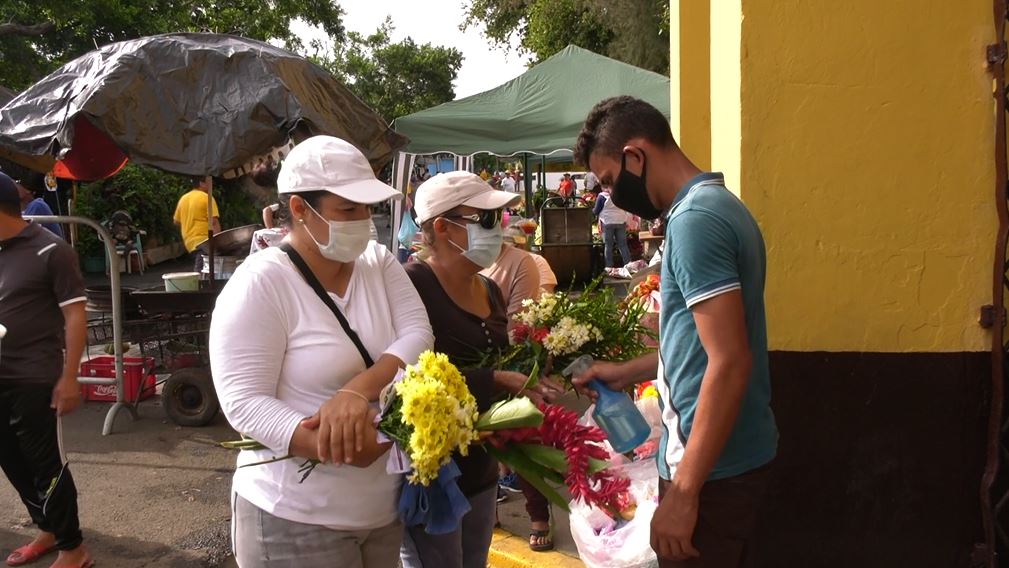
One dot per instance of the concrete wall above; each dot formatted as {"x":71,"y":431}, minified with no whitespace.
{"x":690,"y":78}
{"x":859,"y":134}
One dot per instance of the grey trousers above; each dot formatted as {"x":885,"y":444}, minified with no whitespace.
{"x":261,"y":540}
{"x":464,"y":548}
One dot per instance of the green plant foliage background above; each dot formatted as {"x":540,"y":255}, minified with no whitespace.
{"x":150,"y":196}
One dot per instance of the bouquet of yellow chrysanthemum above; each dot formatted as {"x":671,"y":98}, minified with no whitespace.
{"x":430,"y":413}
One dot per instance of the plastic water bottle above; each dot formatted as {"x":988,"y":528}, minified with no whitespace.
{"x":615,"y":412}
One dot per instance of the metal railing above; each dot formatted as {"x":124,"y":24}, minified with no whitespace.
{"x":117,"y":318}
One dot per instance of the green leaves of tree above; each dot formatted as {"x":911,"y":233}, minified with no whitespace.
{"x":632,"y":31}
{"x":79,"y":27}
{"x":394,"y":79}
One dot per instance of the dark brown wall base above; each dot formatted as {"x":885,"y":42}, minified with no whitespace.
{"x":879,"y":462}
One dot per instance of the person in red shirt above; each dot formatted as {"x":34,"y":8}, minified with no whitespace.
{"x":567,"y":188}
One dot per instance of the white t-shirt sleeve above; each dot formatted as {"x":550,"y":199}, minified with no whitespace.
{"x":409,"y":316}
{"x":248,"y":339}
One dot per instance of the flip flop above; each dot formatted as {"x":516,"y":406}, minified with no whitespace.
{"x":86,"y":563}
{"x":27,"y":554}
{"x":542,"y":547}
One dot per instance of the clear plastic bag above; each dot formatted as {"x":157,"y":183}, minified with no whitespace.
{"x":602,"y":542}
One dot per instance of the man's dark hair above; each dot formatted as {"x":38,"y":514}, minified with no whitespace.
{"x":10,"y":209}
{"x":196,"y":181}
{"x":35,"y":183}
{"x":612,"y":122}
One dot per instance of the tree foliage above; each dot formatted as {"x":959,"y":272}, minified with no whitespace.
{"x":633,"y":31}
{"x":394,"y":79}
{"x":40,"y":35}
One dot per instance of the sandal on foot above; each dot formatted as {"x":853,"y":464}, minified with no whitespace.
{"x":86,"y":563}
{"x":547,"y":540}
{"x":27,"y":554}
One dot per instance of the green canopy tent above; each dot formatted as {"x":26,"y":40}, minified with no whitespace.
{"x":538,"y":113}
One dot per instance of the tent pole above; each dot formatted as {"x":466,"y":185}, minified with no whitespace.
{"x":529,"y":186}
{"x":210,"y":230}
{"x":72,"y":209}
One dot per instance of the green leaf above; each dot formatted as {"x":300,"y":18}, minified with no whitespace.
{"x":555,"y":459}
{"x":514,"y":413}
{"x":529,"y":471}
{"x":546,"y":456}
{"x":595,"y":466}
{"x":534,"y":378}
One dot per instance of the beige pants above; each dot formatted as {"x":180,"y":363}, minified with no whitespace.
{"x":261,"y":540}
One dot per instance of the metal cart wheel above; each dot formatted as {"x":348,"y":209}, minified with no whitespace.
{"x":189,"y":397}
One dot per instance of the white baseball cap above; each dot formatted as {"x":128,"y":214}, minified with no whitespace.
{"x":445,"y":192}
{"x":327,"y":163}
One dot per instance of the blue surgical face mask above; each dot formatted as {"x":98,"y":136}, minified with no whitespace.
{"x":484,"y":244}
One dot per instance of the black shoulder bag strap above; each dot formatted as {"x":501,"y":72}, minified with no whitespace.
{"x":306,"y":272}
{"x":493,"y":294}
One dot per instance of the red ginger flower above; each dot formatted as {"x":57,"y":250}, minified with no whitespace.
{"x":561,"y":430}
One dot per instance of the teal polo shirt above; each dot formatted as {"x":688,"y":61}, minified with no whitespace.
{"x":713,"y":246}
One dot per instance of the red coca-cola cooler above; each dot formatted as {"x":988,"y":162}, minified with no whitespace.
{"x":137,"y":378}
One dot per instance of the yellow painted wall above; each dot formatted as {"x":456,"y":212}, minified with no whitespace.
{"x":690,"y":78}
{"x":860,"y":135}
{"x":726,"y":80}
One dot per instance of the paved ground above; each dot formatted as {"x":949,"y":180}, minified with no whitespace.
{"x":151,"y":495}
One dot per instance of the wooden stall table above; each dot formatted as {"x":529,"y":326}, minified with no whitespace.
{"x":651,"y":242}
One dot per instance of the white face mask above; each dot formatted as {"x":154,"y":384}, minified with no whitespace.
{"x":347,"y":239}
{"x":484,"y":244}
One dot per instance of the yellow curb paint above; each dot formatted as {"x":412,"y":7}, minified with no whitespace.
{"x":512,"y":551}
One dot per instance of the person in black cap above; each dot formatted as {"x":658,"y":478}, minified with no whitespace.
{"x":42,"y":308}
{"x":31,"y":188}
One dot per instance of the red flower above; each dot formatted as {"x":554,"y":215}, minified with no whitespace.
{"x":561,"y":430}
{"x":540,"y":334}
{"x":519,"y":333}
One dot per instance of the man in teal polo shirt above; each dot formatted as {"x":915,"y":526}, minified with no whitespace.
{"x":712,"y":373}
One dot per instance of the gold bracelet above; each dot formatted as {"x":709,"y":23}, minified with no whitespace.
{"x":355,"y":393}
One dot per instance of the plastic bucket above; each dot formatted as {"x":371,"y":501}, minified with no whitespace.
{"x":182,"y":281}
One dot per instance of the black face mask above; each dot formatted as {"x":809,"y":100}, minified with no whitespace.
{"x":629,"y":193}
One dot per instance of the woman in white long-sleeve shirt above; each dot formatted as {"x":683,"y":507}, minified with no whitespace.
{"x":289,"y":375}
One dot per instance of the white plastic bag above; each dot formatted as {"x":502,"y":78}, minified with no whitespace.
{"x":602,"y":545}
{"x":649,"y":408}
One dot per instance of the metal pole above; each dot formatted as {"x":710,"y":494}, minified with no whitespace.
{"x":117,"y":317}
{"x":529,"y":186}
{"x":210,"y":229}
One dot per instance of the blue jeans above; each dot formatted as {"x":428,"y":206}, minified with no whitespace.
{"x":465,"y":548}
{"x":615,"y":234}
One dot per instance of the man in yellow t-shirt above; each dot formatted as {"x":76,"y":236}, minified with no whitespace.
{"x":191,"y":214}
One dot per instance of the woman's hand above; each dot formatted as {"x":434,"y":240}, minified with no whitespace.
{"x":308,"y":431}
{"x":544,"y":391}
{"x":344,"y":422}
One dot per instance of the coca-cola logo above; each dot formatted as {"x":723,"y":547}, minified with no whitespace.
{"x":105,"y":390}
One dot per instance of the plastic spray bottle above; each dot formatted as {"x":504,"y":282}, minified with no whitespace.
{"x":615,"y":412}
